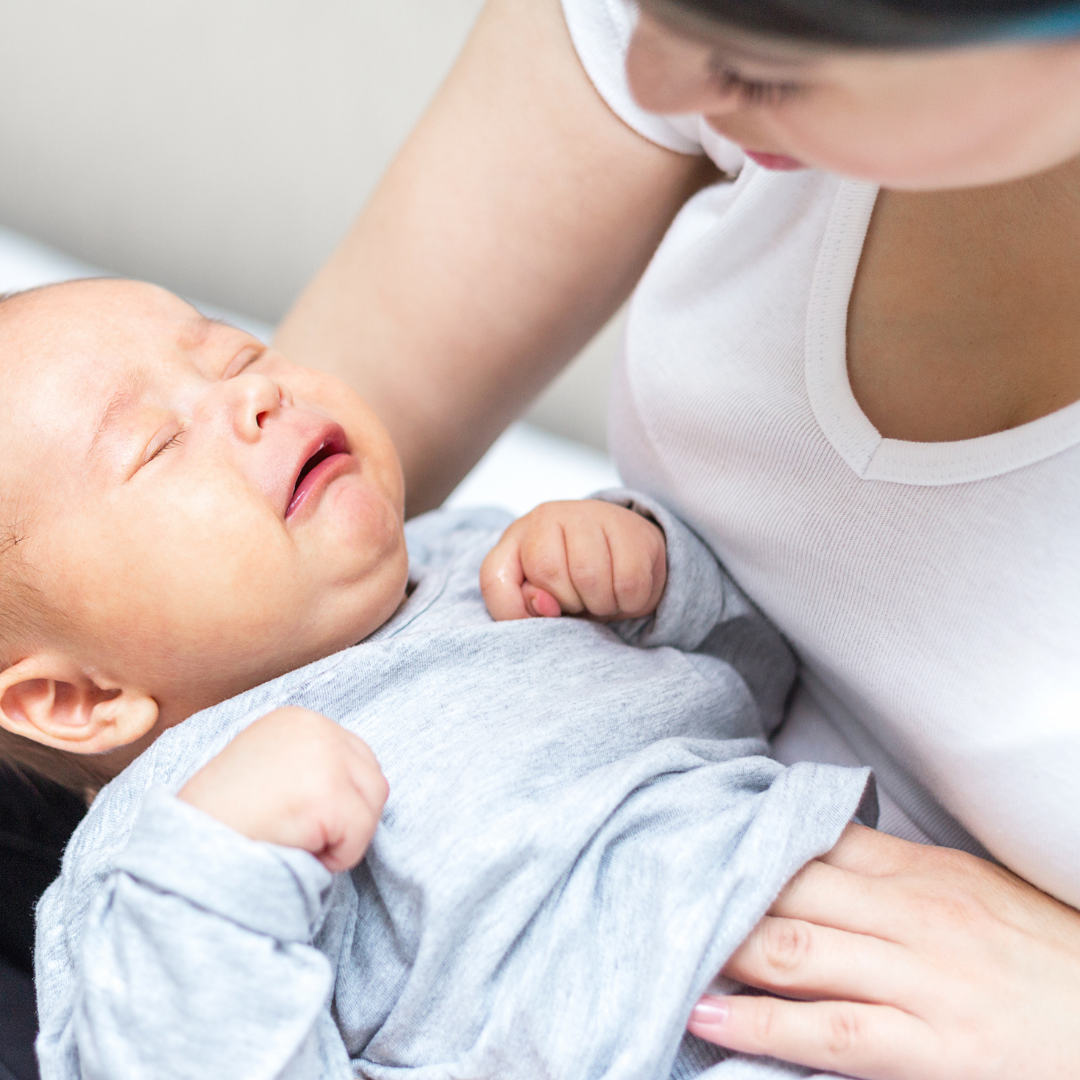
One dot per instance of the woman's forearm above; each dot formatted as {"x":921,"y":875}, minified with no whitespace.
{"x":515,"y":220}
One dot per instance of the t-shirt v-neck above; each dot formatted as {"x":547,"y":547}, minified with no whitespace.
{"x":842,"y":420}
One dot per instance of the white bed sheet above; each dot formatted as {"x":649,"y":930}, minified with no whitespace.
{"x":526,"y":465}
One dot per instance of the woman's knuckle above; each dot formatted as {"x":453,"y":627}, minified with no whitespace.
{"x":785,"y":946}
{"x":951,"y":910}
{"x":763,"y":1022}
{"x":843,"y":1031}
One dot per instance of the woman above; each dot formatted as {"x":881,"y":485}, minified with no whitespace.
{"x":865,"y":400}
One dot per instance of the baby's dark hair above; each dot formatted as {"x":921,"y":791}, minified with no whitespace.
{"x":890,"y":24}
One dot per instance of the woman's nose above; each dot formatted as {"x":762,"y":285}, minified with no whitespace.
{"x":253,"y":400}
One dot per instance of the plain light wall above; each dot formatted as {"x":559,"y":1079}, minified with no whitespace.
{"x":222,"y":147}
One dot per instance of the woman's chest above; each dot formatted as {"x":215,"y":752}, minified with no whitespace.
{"x":964,"y":317}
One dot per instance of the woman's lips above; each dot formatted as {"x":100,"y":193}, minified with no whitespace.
{"x":318,"y":479}
{"x":776,"y":162}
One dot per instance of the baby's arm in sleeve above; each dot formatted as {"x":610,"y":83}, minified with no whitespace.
{"x":197,"y":958}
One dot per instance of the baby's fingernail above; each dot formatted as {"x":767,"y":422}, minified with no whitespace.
{"x":545,"y":605}
{"x":712,"y":1011}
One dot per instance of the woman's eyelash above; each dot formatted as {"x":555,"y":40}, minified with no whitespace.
{"x":176,"y":440}
{"x":754,"y":91}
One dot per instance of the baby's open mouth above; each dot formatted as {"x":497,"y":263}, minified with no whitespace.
{"x":318,"y":466}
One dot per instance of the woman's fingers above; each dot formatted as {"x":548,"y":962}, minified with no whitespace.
{"x":876,"y":854}
{"x":829,"y":896}
{"x":944,"y":966}
{"x":801,"y":960}
{"x":874,"y":1042}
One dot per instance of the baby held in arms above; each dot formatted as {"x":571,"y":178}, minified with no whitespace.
{"x":360,"y":809}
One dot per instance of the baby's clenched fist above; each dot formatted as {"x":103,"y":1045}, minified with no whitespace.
{"x":297,"y":779}
{"x":586,"y":557}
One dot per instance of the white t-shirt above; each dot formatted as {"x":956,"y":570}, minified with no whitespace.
{"x":931,"y":590}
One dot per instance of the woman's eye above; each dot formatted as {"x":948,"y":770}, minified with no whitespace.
{"x":754,"y":91}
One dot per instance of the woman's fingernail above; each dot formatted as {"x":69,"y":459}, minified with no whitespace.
{"x":712,"y":1011}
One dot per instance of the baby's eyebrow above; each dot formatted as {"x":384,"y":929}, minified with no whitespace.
{"x":196,"y":330}
{"x":119,"y":402}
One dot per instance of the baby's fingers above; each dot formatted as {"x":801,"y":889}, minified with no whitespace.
{"x":589,"y":565}
{"x":357,"y":808}
{"x":501,"y":578}
{"x":545,"y":562}
{"x":638,"y":567}
{"x":349,"y":833}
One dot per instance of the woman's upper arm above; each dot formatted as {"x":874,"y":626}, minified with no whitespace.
{"x":515,"y":220}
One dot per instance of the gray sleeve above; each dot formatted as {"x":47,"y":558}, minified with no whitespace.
{"x":704,"y":611}
{"x":197,"y":961}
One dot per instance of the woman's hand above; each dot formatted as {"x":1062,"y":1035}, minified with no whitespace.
{"x":583,"y":557}
{"x":912,"y":963}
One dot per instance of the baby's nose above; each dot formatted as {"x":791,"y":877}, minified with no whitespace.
{"x":255,"y":400}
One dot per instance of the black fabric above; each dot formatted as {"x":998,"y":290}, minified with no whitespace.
{"x":18,"y":1024}
{"x":36,"y":820}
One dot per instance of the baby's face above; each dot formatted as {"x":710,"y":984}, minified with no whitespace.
{"x":204,"y":514}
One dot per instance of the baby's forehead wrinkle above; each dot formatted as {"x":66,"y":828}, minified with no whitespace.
{"x":195,"y":331}
{"x":126,"y":395}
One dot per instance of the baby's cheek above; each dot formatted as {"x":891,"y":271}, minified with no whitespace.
{"x":194,"y":594}
{"x":361,"y":531}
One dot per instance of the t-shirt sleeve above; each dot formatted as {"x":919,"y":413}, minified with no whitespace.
{"x":601,"y":30}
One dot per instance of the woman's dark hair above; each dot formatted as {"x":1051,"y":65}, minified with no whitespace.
{"x":891,"y":24}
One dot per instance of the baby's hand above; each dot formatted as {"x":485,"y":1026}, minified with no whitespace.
{"x":298,"y":779}
{"x":572,"y":558}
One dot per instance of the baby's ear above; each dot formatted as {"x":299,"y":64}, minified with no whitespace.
{"x":52,"y":701}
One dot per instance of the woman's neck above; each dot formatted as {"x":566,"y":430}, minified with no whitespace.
{"x":965,"y":315}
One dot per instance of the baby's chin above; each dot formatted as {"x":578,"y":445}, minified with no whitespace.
{"x":301,"y":639}
{"x":357,"y":612}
